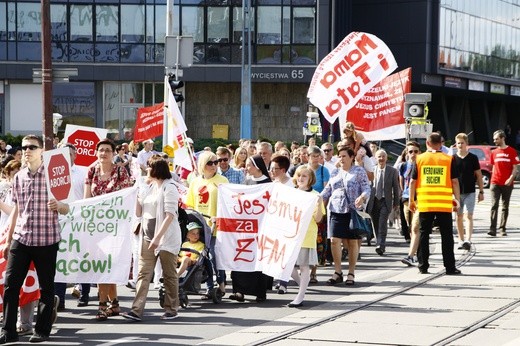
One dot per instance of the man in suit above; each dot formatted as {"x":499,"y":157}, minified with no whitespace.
{"x":385,"y":197}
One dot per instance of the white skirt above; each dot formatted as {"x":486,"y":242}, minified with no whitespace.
{"x":307,"y":257}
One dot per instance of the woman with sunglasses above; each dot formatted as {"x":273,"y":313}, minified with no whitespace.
{"x":104,"y":177}
{"x":203,"y":196}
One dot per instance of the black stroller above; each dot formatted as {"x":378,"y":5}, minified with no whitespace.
{"x":203,"y":267}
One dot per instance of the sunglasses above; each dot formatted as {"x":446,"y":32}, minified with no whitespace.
{"x":327,"y":150}
{"x":224,"y":159}
{"x":211,"y":163}
{"x":30,"y":147}
{"x":413,"y":151}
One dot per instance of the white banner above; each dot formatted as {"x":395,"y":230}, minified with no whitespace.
{"x":240,"y":213}
{"x":262,"y":227}
{"x":96,"y":243}
{"x":359,"y":62}
{"x":283,"y":229}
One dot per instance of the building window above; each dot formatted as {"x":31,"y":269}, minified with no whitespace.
{"x":76,"y":101}
{"x":81,"y":23}
{"x":121,"y":102}
{"x":107,"y":23}
{"x":28,"y":21}
{"x":480,"y":37}
{"x":133,"y":24}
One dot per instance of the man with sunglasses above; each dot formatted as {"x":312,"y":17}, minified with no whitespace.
{"x":33,"y":235}
{"x":235,"y":176}
{"x":329,"y":160}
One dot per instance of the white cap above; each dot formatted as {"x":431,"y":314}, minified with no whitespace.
{"x":189,"y":140}
{"x":148,"y":141}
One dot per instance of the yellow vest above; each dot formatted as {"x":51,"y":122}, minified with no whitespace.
{"x":433,"y":186}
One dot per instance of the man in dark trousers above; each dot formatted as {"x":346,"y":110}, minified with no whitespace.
{"x":33,"y":235}
{"x":504,"y":160}
{"x":435,"y":184}
{"x":384,"y":198}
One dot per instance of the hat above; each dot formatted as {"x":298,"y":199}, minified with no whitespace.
{"x":193,"y":225}
{"x":189,"y":140}
{"x":148,"y":141}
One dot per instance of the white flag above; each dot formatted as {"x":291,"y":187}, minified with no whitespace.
{"x":173,"y":120}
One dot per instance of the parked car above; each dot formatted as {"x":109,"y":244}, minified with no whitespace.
{"x":483,"y":153}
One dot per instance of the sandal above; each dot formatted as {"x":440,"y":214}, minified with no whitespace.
{"x":337,"y":280}
{"x":350,"y":282}
{"x":313,"y":279}
{"x":239,"y":297}
{"x":101,"y":314}
{"x":113,"y":309}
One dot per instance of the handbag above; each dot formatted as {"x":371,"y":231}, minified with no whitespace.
{"x":361,"y":222}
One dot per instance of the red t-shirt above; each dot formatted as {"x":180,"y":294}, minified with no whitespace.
{"x":503,"y":161}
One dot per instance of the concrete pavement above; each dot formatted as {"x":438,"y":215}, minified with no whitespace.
{"x":403,"y":307}
{"x":391,"y":304}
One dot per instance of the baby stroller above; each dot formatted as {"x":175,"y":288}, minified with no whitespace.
{"x":198,"y":273}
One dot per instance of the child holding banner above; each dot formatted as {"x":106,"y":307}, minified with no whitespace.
{"x":304,"y":179}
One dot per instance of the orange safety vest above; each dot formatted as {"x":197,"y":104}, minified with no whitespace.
{"x":433,"y":186}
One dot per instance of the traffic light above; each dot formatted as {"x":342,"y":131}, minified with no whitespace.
{"x":174,"y":85}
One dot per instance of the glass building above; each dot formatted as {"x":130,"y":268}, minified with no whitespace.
{"x":118,"y":48}
{"x":464,"y":52}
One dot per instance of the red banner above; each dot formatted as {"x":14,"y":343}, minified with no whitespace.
{"x":30,"y":290}
{"x":379,"y":113}
{"x":149,"y":122}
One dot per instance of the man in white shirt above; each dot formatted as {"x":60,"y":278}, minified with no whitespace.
{"x":145,"y":154}
{"x":330,"y":159}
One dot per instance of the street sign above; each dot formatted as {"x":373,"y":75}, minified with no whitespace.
{"x":178,"y":51}
{"x":85,"y":139}
{"x":57,"y":169}
{"x":59,"y":75}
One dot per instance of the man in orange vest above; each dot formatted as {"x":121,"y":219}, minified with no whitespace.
{"x":433,"y":187}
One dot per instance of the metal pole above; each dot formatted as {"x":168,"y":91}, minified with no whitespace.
{"x":245,"y":109}
{"x":46,"y":74}
{"x":169,"y":31}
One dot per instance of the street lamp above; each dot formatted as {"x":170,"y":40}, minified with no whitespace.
{"x":57,"y":120}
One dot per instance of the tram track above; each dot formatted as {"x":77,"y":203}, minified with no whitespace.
{"x":461,"y":261}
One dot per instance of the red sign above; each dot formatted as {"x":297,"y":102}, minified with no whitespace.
{"x":58,"y":172}
{"x":85,"y":143}
{"x":379,"y":113}
{"x":149,"y":122}
{"x":30,"y":290}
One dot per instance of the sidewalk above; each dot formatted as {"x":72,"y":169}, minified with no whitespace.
{"x":399,"y":306}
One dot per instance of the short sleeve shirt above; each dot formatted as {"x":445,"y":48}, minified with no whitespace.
{"x":503,"y":161}
{"x":467,"y":166}
{"x":36,"y":224}
{"x":119,"y":179}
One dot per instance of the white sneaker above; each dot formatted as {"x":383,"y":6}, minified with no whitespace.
{"x":131,"y":284}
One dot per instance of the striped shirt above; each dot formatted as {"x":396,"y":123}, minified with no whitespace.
{"x":36,"y":224}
